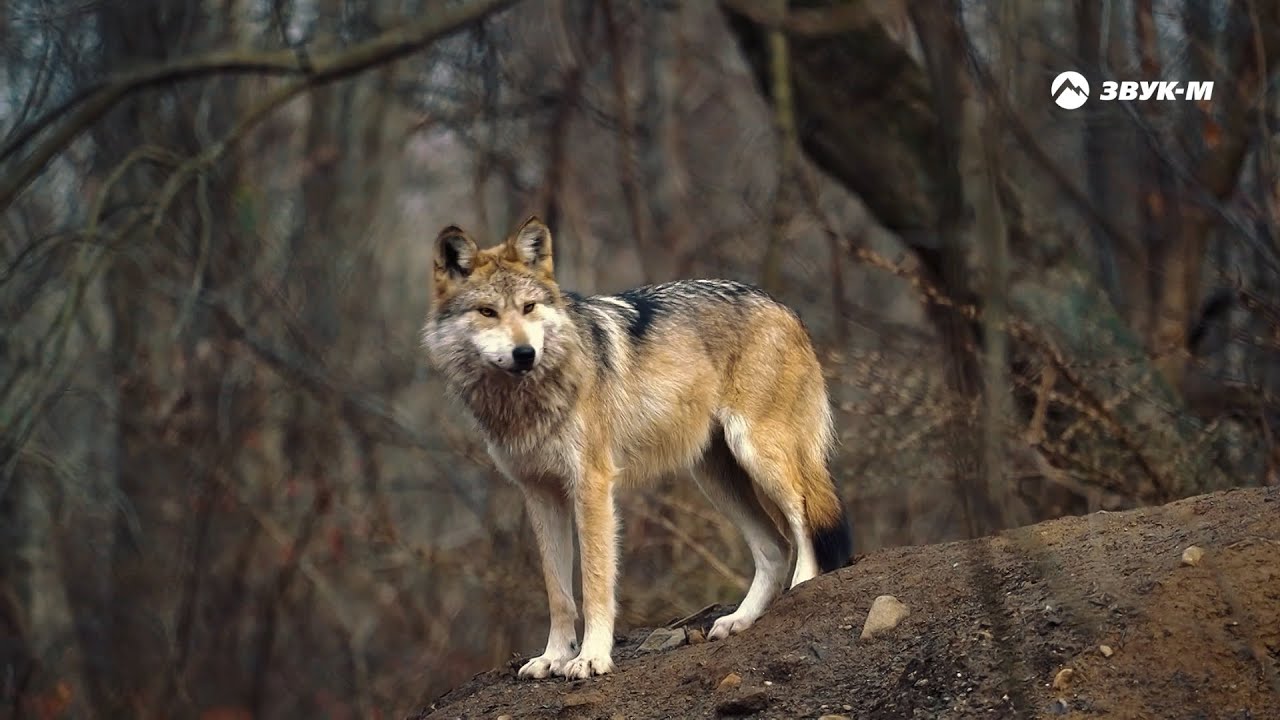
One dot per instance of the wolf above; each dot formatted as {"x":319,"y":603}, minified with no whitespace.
{"x":577,"y":396}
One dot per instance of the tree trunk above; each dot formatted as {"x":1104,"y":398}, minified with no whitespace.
{"x":1108,"y":138}
{"x":1155,"y":194}
{"x":1220,"y":134}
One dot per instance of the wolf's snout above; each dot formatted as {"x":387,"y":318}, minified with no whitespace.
{"x":523,"y":356}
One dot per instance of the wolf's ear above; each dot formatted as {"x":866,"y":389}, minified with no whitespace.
{"x":531,"y":245}
{"x":455,"y":254}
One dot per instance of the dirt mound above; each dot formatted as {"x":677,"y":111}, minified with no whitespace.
{"x":993,"y":624}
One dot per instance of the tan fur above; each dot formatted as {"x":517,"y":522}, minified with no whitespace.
{"x":723,"y":381}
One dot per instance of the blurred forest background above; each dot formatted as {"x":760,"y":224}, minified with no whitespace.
{"x":229,"y":484}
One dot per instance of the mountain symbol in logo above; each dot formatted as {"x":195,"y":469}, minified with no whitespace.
{"x":1068,"y":85}
{"x":1070,"y":90}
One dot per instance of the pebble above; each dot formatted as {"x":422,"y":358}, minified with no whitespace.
{"x":730,"y":681}
{"x":1106,"y":651}
{"x":885,"y":614}
{"x":663,"y":639}
{"x":1192,"y":555}
{"x":748,"y":703}
{"x":1063,"y":678}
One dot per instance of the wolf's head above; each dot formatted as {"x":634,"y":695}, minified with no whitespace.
{"x":495,"y":310}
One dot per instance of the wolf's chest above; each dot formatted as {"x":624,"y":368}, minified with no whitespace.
{"x":526,"y":433}
{"x":519,"y":424}
{"x":519,"y":415}
{"x":555,"y":456}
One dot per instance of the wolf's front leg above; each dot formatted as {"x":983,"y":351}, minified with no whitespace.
{"x":549,"y":513}
{"x":597,"y":542}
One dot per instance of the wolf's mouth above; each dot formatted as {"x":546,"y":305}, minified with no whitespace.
{"x":517,"y":372}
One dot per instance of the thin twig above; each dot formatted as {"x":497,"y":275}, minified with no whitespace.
{"x":701,"y":550}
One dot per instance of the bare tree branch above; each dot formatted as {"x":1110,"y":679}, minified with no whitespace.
{"x":95,"y":101}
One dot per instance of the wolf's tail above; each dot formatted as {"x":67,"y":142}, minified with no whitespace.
{"x":832,"y":537}
{"x":830,"y":529}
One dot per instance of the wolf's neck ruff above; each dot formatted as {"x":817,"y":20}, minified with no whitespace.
{"x":516,"y":412}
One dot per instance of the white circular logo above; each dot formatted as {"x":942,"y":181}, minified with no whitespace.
{"x":1070,"y":90}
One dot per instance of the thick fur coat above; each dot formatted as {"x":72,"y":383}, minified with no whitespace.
{"x":577,"y":396}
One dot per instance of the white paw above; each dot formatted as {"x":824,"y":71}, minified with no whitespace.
{"x":543,"y":666}
{"x":584,"y":666}
{"x":730,"y":625}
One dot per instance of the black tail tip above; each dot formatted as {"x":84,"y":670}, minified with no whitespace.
{"x":833,"y":544}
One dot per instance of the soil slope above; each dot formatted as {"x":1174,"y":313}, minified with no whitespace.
{"x":993,"y":622}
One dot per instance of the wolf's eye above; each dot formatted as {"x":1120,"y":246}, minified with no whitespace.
{"x":487,"y":311}
{"x":528,"y":307}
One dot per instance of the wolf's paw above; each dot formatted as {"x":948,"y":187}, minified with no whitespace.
{"x":730,"y":625}
{"x":584,"y":666}
{"x":543,"y":666}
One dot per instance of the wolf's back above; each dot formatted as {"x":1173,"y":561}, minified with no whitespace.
{"x":758,"y":345}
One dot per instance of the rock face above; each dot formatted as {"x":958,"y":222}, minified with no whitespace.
{"x":886,"y":612}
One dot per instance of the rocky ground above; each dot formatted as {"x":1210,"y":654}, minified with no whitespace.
{"x":1097,"y":616}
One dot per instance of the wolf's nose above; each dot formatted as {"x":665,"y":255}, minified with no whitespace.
{"x":523,"y":356}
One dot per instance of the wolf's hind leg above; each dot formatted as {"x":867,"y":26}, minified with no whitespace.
{"x":729,"y":488}
{"x":767,"y":456}
{"x":551,"y":518}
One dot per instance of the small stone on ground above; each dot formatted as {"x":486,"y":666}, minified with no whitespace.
{"x":885,"y":614}
{"x":748,"y":703}
{"x":663,"y":639}
{"x":730,"y":681}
